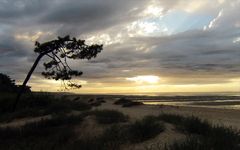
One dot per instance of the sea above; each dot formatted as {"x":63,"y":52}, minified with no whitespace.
{"x":221,"y":100}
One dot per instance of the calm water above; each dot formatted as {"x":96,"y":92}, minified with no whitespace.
{"x":224,"y":104}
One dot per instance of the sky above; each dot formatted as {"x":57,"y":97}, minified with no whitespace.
{"x":149,"y":45}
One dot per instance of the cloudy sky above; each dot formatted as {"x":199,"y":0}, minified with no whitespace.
{"x":149,"y":45}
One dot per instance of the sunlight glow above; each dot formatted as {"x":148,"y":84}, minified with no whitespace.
{"x":150,"y":79}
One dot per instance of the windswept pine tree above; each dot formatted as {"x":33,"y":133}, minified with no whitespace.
{"x":59,"y":51}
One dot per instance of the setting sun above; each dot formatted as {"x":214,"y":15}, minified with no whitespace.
{"x":150,"y":79}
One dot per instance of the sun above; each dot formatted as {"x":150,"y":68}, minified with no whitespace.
{"x":150,"y":79}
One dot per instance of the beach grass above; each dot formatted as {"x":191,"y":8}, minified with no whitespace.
{"x":202,"y":135}
{"x":32,"y":105}
{"x":109,"y":116}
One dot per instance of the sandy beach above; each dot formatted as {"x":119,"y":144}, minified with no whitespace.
{"x":90,"y":128}
{"x":226,"y":117}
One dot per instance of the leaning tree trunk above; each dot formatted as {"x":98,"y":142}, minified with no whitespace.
{"x":23,"y":87}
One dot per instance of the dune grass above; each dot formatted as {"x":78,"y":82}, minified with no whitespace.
{"x":58,"y":134}
{"x":144,"y":129}
{"x":110,"y":139}
{"x":202,"y":135}
{"x":192,"y":124}
{"x":37,"y":105}
{"x":109,"y":116}
{"x":204,"y":143}
{"x":55,"y":133}
{"x":114,"y":137}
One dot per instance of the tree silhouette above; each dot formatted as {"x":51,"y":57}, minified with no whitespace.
{"x":6,"y":83}
{"x":59,"y":51}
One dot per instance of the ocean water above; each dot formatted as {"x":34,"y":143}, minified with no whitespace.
{"x":193,"y":94}
{"x":223,"y":104}
{"x":178,"y":94}
{"x":223,"y":100}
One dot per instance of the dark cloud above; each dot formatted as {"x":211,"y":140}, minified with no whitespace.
{"x":87,"y":16}
{"x":184,"y":54}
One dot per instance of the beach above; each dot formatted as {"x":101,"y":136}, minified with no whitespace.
{"x":90,"y":127}
{"x":227,"y":117}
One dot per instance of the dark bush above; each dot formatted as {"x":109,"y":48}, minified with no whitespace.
{"x":100,"y":99}
{"x":130,"y":104}
{"x":90,"y":100}
{"x":96,"y":103}
{"x":109,"y":116}
{"x":122,"y":101}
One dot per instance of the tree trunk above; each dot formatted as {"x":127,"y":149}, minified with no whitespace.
{"x":22,"y":88}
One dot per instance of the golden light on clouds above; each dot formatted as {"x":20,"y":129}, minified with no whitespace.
{"x":137,"y":85}
{"x":194,"y":6}
{"x":153,"y":11}
{"x":31,"y":37}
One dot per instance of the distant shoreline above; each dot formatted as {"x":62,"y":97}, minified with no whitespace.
{"x":152,"y":94}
